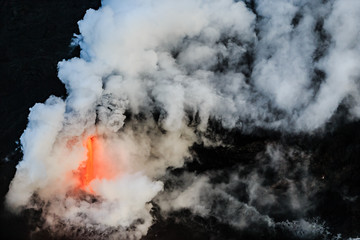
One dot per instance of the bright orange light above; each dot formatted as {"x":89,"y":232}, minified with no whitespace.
{"x":97,"y":165}
{"x":86,"y":168}
{"x":89,"y":176}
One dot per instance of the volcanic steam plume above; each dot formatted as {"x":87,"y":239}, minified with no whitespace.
{"x":153,"y":79}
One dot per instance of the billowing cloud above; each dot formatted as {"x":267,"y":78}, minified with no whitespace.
{"x":150,"y":76}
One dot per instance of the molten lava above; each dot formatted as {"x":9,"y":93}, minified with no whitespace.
{"x":89,"y":176}
{"x":97,"y":165}
{"x":86,"y":169}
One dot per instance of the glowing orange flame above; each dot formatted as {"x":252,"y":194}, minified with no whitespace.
{"x":97,"y":165}
{"x":90,"y":161}
{"x":86,"y":168}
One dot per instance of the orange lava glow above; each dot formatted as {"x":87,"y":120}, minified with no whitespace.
{"x":86,"y":169}
{"x":89,"y":175}
{"x":97,"y":165}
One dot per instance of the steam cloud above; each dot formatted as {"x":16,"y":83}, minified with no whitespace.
{"x":150,"y":76}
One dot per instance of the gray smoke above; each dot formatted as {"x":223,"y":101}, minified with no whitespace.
{"x":247,"y":198}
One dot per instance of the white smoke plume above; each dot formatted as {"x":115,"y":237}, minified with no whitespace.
{"x":150,"y":76}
